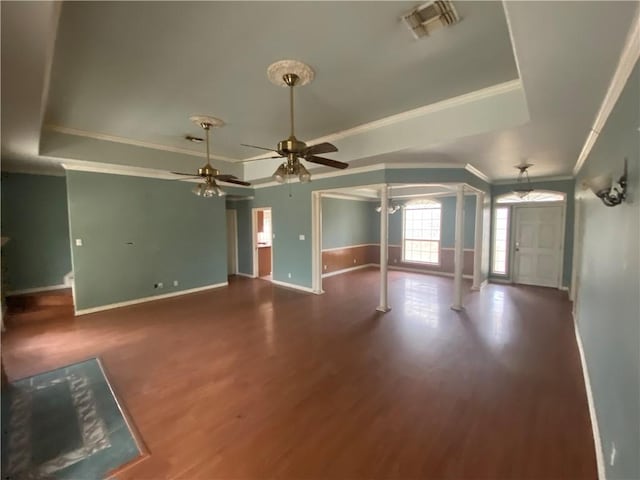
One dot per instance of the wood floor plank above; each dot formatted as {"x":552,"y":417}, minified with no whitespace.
{"x":256,"y":381}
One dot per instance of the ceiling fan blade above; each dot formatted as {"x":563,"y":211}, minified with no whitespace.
{"x":236,"y":181}
{"x":258,"y":159}
{"x":187,"y":174}
{"x":259,"y":148}
{"x":326,"y":161}
{"x":321,"y":148}
{"x":225,"y":177}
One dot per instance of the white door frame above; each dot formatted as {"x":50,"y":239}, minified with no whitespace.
{"x":316,"y":242}
{"x":254,"y":239}
{"x":512,"y":229}
{"x":577,"y":252}
{"x":234,"y":216}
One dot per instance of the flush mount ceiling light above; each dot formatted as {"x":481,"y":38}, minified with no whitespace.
{"x":524,"y":187}
{"x":291,"y":73}
{"x":428,"y":17}
{"x":209,"y":188}
{"x":611,"y":195}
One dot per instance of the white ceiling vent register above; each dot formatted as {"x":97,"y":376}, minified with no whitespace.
{"x":428,"y":17}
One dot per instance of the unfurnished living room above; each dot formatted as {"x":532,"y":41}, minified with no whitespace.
{"x":320,"y":240}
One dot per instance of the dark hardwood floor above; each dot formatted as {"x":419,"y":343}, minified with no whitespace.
{"x":256,"y":381}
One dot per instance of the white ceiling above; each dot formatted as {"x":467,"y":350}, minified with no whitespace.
{"x":132,"y":73}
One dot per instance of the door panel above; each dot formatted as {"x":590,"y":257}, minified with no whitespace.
{"x":538,"y":244}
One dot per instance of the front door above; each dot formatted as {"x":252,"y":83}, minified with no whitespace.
{"x":538,"y":245}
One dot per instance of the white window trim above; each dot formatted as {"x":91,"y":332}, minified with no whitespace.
{"x":414,"y":262}
{"x":507,"y":265}
{"x":536,"y":202}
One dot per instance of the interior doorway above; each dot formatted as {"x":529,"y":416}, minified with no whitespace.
{"x":232,"y":242}
{"x":262,"y":243}
{"x":538,"y":245}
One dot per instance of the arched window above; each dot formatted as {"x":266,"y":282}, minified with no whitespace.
{"x":533,"y":196}
{"x":421,"y":232}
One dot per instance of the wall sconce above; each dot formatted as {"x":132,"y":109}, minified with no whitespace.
{"x":610,"y":195}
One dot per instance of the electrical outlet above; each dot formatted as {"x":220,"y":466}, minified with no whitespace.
{"x":175,"y":283}
{"x":612,"y":456}
{"x":160,"y":285}
{"x":289,"y":274}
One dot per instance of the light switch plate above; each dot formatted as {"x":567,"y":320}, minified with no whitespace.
{"x":301,"y":237}
{"x":78,"y":242}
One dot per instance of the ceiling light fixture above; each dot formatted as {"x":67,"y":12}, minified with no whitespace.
{"x":524,"y":187}
{"x":610,"y":195}
{"x":291,"y":169}
{"x":391,"y":208}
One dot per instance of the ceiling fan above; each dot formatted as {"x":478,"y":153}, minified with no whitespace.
{"x":209,"y":187}
{"x":291,"y":73}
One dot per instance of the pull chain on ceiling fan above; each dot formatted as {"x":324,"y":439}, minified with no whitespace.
{"x":210,"y":188}
{"x":291,"y":73}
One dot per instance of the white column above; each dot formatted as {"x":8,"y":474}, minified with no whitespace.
{"x":459,"y":250}
{"x":477,"y":243}
{"x":384,"y":249}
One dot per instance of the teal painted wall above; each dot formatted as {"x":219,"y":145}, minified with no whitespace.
{"x":564,"y":186}
{"x":291,"y":212}
{"x":139,"y":231}
{"x":348,"y":222}
{"x":245,"y":245}
{"x":448,"y":226}
{"x":34,"y":217}
{"x":607,"y":303}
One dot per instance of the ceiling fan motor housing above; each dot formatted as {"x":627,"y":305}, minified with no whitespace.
{"x":291,"y":145}
{"x":208,"y":171}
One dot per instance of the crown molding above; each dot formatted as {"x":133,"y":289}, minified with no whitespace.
{"x":474,"y":171}
{"x":131,"y":141}
{"x":557,"y":178}
{"x":367,"y":168}
{"x":94,"y":167}
{"x":628,"y":58}
{"x":348,"y":196}
{"x":474,"y":96}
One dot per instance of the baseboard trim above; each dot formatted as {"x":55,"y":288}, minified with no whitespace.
{"x":350,"y":269}
{"x":501,"y":281}
{"x":293,"y":286}
{"x":428,"y":272}
{"x":563,"y":288}
{"x":597,"y":441}
{"x":244,"y":275}
{"x":38,"y":289}
{"x":148,"y":299}
{"x":479,"y":288}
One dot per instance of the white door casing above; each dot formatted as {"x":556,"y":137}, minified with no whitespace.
{"x":538,"y":239}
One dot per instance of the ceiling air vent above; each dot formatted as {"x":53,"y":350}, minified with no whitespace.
{"x":430,"y":16}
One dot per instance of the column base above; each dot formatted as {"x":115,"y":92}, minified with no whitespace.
{"x":457,"y":308}
{"x":383,"y":309}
